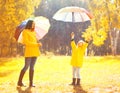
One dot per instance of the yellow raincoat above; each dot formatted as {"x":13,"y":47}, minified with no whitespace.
{"x":78,"y":54}
{"x":30,"y":42}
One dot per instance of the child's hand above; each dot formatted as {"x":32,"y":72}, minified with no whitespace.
{"x":88,"y":39}
{"x":72,"y":35}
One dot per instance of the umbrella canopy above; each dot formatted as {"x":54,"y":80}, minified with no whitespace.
{"x":72,"y":14}
{"x":41,"y":27}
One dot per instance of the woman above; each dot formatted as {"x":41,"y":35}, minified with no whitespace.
{"x":31,"y":52}
{"x":78,"y":52}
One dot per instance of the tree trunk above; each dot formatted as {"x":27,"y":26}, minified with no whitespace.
{"x":114,"y":35}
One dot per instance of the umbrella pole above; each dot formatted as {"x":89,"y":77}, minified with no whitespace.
{"x":73,"y":20}
{"x":73,"y":17}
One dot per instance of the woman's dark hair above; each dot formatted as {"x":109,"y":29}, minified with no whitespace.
{"x":29,"y":24}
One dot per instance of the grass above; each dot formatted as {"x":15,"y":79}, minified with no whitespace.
{"x":53,"y":74}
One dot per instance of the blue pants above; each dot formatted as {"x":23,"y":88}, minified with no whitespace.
{"x":29,"y":62}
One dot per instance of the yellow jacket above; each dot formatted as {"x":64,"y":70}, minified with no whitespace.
{"x":77,"y":54}
{"x":30,"y":42}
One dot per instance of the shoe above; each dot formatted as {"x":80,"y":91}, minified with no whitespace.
{"x":31,"y":74}
{"x":31,"y":85}
{"x":20,"y":79}
{"x":73,"y":82}
{"x":21,"y":85}
{"x":78,"y":82}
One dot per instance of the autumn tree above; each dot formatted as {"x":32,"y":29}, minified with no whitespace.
{"x":12,"y":13}
{"x":105,"y":25}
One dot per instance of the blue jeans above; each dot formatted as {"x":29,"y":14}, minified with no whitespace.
{"x":29,"y":62}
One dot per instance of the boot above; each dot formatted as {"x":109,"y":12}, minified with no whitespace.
{"x":78,"y":82}
{"x":31,"y":73}
{"x":20,"y":79}
{"x":73,"y":81}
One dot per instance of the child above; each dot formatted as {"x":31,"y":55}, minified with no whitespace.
{"x":77,"y":58}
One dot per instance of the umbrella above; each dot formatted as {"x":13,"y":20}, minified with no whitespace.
{"x":41,"y":28}
{"x":72,"y":14}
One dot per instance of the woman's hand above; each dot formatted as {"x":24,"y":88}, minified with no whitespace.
{"x":40,"y":44}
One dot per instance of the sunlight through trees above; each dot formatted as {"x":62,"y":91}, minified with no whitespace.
{"x":12,"y":13}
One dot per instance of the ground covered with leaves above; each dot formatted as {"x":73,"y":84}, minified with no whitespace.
{"x":53,"y":74}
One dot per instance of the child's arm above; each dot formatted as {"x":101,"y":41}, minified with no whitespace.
{"x":85,"y":44}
